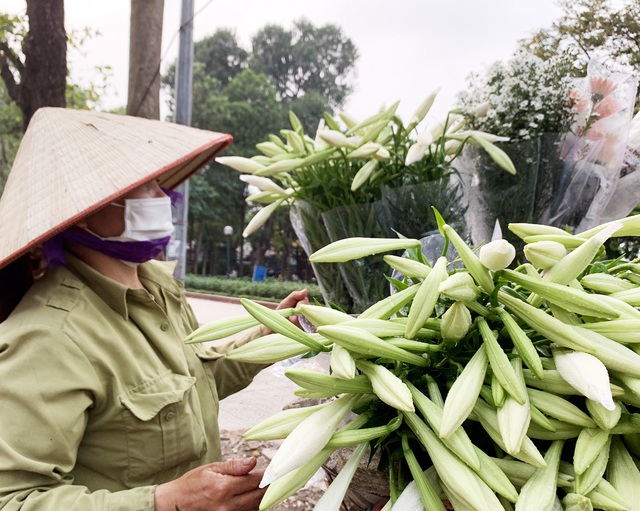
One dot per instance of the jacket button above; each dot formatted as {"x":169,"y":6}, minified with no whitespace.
{"x":169,"y":416}
{"x":164,"y":326}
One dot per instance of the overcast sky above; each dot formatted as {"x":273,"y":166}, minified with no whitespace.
{"x":407,"y":47}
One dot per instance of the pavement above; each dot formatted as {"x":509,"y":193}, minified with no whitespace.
{"x":270,"y":391}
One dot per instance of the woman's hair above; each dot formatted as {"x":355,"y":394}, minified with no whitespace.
{"x":16,"y":278}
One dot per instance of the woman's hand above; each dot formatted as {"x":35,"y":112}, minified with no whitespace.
{"x":293,"y":301}
{"x":226,"y":486}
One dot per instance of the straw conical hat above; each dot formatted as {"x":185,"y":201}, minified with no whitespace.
{"x":72,"y":162}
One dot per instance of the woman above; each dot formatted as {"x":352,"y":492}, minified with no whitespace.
{"x":104,"y":406}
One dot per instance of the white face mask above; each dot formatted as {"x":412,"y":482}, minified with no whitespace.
{"x":145,"y":219}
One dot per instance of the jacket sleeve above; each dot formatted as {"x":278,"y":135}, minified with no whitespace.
{"x":48,"y":387}
{"x":231,"y":376}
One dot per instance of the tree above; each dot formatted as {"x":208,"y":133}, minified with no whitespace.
{"x":248,"y":109}
{"x":306,"y":59}
{"x":10,"y":133}
{"x":222,"y":56}
{"x":591,"y":29}
{"x":248,"y":94}
{"x":145,"y":44}
{"x":39,"y":78}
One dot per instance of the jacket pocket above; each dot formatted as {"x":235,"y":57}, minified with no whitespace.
{"x":162,"y":424}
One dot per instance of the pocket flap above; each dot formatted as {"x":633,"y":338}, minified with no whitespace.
{"x":146,"y":400}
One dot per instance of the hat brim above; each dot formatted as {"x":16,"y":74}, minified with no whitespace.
{"x":73,"y":162}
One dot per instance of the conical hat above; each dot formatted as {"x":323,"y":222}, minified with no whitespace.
{"x":72,"y":162}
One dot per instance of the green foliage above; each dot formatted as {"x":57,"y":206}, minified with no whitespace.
{"x":269,"y":289}
{"x":13,"y":34}
{"x":247,"y":108}
{"x":601,"y":29}
{"x":305,"y":59}
{"x":247,"y":94}
{"x":222,"y":56}
{"x":10,"y":133}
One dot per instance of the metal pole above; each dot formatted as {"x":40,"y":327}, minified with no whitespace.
{"x":228,"y":232}
{"x":228,"y":256}
{"x":184,"y":86}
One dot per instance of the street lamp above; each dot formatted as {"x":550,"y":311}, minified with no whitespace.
{"x":228,"y":232}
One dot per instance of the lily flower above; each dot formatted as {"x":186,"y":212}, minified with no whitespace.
{"x":307,"y":439}
{"x":415,"y":153}
{"x":586,"y":374}
{"x":497,"y":254}
{"x":264,"y":184}
{"x":246,"y":165}
{"x":334,"y":495}
{"x":363,"y":175}
{"x":260,"y":218}
{"x":460,"y":287}
{"x":455,"y":322}
{"x":544,"y":254}
{"x":423,"y":109}
{"x":270,"y":149}
{"x":366,"y":150}
{"x":336,"y":138}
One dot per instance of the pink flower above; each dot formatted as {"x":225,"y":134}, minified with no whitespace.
{"x":608,"y":106}
{"x":579,"y":100}
{"x":602,"y":86}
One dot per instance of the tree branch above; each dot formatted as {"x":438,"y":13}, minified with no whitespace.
{"x":7,"y":56}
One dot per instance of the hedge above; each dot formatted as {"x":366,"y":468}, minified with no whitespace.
{"x":270,"y":289}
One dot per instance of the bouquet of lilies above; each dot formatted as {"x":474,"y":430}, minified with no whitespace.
{"x":482,"y":387}
{"x":349,"y":161}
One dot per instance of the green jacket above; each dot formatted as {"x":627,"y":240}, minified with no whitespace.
{"x":101,"y":399}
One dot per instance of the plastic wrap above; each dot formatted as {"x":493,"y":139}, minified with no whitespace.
{"x":594,"y":150}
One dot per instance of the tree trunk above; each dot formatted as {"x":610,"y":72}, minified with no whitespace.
{"x":44,"y":75}
{"x":145,"y":46}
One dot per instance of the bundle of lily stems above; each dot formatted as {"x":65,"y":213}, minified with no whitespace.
{"x":479,"y":386}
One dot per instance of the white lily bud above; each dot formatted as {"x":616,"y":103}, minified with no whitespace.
{"x":364,"y":151}
{"x":451,"y":146}
{"x":387,"y":386}
{"x":382,"y":154}
{"x":460,"y":287}
{"x":544,"y":254}
{"x":481,"y":110}
{"x":260,"y":218}
{"x":363,"y":175}
{"x":335,"y":138}
{"x":489,"y":137}
{"x":318,"y":143}
{"x":270,"y":149}
{"x":334,"y":495}
{"x":307,"y":439}
{"x":240,"y":164}
{"x":349,"y":121}
{"x":409,"y":499}
{"x":423,"y":108}
{"x":264,"y":183}
{"x":295,"y":141}
{"x":455,"y":322}
{"x":415,"y":153}
{"x":342,"y":363}
{"x":586,"y":374}
{"x":497,"y":254}
{"x":427,"y":137}
{"x":286,"y":165}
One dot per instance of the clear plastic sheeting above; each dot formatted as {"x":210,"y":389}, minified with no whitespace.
{"x":577,"y":179}
{"x":594,"y":149}
{"x":493,"y":195}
